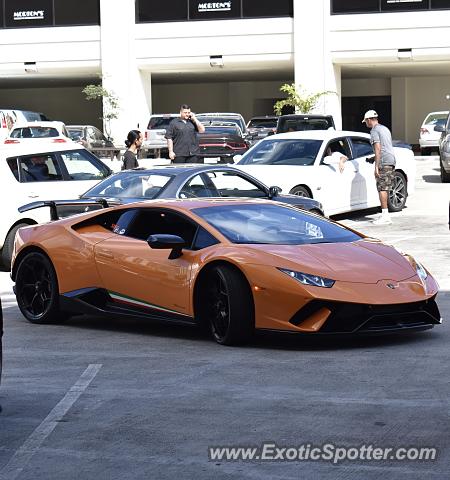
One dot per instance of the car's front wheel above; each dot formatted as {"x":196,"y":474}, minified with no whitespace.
{"x":398,"y":194}
{"x":300,"y":191}
{"x":445,"y":176}
{"x":227,"y":305}
{"x":37,"y":290}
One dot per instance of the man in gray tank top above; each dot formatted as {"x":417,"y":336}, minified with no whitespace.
{"x":381,"y":140}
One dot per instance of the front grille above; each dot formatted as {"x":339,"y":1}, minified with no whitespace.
{"x":355,"y":317}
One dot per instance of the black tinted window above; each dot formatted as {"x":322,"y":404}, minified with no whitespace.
{"x":293,"y":124}
{"x":159,"y":122}
{"x":361,"y":147}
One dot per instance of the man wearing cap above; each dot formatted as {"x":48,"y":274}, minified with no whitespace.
{"x":381,"y":140}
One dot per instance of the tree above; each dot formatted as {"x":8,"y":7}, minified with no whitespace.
{"x":300,"y":99}
{"x":110,"y":104}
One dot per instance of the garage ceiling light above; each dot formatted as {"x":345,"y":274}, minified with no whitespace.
{"x":216,"y":61}
{"x":30,"y":67}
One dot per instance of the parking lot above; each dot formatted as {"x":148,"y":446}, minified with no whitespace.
{"x":118,"y":399}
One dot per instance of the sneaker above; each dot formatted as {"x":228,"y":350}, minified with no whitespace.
{"x":382,"y":220}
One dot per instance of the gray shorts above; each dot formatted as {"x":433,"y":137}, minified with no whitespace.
{"x":386,"y":179}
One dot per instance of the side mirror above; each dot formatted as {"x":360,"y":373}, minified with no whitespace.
{"x":163,"y":241}
{"x":274,"y":191}
{"x":439,"y":128}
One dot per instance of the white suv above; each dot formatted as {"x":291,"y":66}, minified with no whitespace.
{"x":154,"y":137}
{"x":41,"y":171}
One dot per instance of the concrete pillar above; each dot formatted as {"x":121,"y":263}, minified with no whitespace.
{"x":120,"y":72}
{"x":314,"y":69}
{"x":399,"y":95}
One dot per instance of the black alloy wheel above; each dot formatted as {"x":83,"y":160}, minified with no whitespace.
{"x":37,"y":289}
{"x":300,"y":192}
{"x":398,"y":194}
{"x":228,"y":305}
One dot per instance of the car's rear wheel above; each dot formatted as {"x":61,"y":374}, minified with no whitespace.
{"x":37,"y":289}
{"x":398,"y":194}
{"x":9,"y":245}
{"x":300,"y":191}
{"x":227,"y":305}
{"x":445,"y":176}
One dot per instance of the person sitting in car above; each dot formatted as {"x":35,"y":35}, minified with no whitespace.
{"x":37,"y":170}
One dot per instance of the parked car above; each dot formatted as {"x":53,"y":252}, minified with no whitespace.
{"x":41,"y":171}
{"x":300,"y":122}
{"x":94,"y":140}
{"x":8,"y":118}
{"x":233,"y":266}
{"x":220,"y":142}
{"x":32,"y":131}
{"x":428,"y":136}
{"x":444,"y":150}
{"x":154,"y":137}
{"x":176,"y":181}
{"x":260,"y":127}
{"x":297,"y":162}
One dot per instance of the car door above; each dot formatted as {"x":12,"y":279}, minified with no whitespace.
{"x":339,"y":190}
{"x":362,"y":151}
{"x":233,"y":184}
{"x":143,"y":277}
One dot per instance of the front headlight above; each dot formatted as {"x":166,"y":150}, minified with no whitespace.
{"x":308,"y":279}
{"x":418,"y":267}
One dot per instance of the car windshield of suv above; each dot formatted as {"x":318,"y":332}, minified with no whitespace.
{"x":282,"y":152}
{"x":436,"y":119}
{"x":262,"y":123}
{"x":34,"y":132}
{"x":130,"y":185}
{"x":157,"y":123}
{"x":210,"y":120}
{"x":273,"y":224}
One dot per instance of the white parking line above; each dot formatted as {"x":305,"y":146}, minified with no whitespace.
{"x":32,"y":444}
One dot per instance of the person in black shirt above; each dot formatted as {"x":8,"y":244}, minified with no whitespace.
{"x":133,"y":142}
{"x":182,"y":139}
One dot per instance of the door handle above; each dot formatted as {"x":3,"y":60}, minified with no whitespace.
{"x":105,"y":254}
{"x":33,"y":195}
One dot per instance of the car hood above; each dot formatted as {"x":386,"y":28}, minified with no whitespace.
{"x":362,"y":261}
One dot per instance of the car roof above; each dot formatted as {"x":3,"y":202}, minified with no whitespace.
{"x":177,"y":168}
{"x":219,"y":114}
{"x":317,"y":135}
{"x":43,"y":146}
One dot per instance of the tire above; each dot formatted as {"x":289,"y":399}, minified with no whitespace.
{"x":227,"y":306}
{"x":445,"y":176}
{"x":37,"y":290}
{"x":398,"y":194}
{"x":9,"y":245}
{"x":301,"y":192}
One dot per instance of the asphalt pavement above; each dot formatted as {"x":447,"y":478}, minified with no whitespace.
{"x":114,"y":399}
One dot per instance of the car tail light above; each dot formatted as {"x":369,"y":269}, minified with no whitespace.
{"x":146,"y":135}
{"x":59,"y":140}
{"x":423,"y":130}
{"x":236,"y":146}
{"x":10,"y":140}
{"x":4,"y":122}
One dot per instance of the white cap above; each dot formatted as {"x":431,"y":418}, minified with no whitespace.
{"x":370,"y":114}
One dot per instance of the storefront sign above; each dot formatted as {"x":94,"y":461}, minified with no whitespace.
{"x":214,"y":7}
{"x":28,"y":15}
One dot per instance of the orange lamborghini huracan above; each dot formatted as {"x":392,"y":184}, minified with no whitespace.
{"x":234,"y":265}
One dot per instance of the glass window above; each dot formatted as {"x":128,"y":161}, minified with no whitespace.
{"x":28,"y":13}
{"x":263,"y":123}
{"x":196,"y":187}
{"x":361,"y":147}
{"x":354,"y":6}
{"x":87,"y":12}
{"x":130,"y":185}
{"x":201,"y":10}
{"x":34,"y":132}
{"x":14,"y":166}
{"x":273,"y":224}
{"x":39,"y":168}
{"x":267,"y":8}
{"x":203,"y":239}
{"x":81,"y":166}
{"x":403,"y":5}
{"x":231,"y":184}
{"x":159,"y":11}
{"x":283,"y":152}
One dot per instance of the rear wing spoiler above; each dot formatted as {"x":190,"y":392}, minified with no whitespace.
{"x":54,"y":204}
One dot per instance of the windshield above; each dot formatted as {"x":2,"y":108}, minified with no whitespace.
{"x":273,"y":224}
{"x":159,"y":122}
{"x":263,"y":123}
{"x":283,"y":152}
{"x":130,"y":185}
{"x":75,"y":132}
{"x":222,"y":130}
{"x":34,"y":132}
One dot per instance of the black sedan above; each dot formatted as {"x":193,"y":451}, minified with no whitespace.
{"x":221,"y":142}
{"x":174,"y":181}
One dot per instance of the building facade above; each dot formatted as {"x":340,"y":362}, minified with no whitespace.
{"x":391,"y":55}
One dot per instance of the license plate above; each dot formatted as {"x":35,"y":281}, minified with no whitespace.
{"x":212,"y":160}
